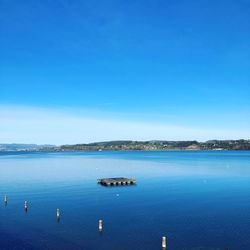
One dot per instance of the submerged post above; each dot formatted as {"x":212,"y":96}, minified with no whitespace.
{"x":26,"y":206}
{"x":5,"y":199}
{"x":164,"y":242}
{"x":58,"y":214}
{"x":100,"y":225}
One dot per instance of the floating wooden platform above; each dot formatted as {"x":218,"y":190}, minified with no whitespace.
{"x":116,"y":181}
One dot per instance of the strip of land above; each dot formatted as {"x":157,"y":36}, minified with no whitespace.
{"x":161,"y":145}
{"x":135,"y":145}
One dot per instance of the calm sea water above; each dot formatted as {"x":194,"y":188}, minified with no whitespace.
{"x":199,"y":200}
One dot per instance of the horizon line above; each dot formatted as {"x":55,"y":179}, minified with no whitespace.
{"x":88,"y":143}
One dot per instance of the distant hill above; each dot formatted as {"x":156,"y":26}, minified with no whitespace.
{"x":135,"y":145}
{"x":23,"y":147}
{"x":161,"y":145}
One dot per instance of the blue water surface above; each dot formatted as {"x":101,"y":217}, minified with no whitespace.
{"x":198,"y":199}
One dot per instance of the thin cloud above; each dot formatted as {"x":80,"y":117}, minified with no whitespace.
{"x":56,"y":126}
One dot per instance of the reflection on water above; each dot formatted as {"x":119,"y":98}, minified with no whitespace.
{"x":199,"y":200}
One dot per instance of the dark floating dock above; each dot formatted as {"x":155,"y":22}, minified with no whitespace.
{"x":116,"y":181}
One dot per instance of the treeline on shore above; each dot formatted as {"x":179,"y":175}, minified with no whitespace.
{"x":160,"y":145}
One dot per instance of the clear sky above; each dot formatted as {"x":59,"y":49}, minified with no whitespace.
{"x":75,"y":71}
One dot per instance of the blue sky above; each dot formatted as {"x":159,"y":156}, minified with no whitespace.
{"x":182,"y":66}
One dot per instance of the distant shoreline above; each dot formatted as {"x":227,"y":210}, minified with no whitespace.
{"x":156,"y":145}
{"x":97,"y":151}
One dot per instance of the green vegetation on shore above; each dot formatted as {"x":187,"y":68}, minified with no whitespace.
{"x":135,"y":145}
{"x":161,"y":145}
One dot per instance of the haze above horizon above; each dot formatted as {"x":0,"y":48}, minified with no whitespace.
{"x":85,"y":71}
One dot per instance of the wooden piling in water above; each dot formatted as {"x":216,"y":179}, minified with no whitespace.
{"x":5,"y":199}
{"x":164,"y":243}
{"x":100,"y":225}
{"x":58,"y":214}
{"x":26,"y":206}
